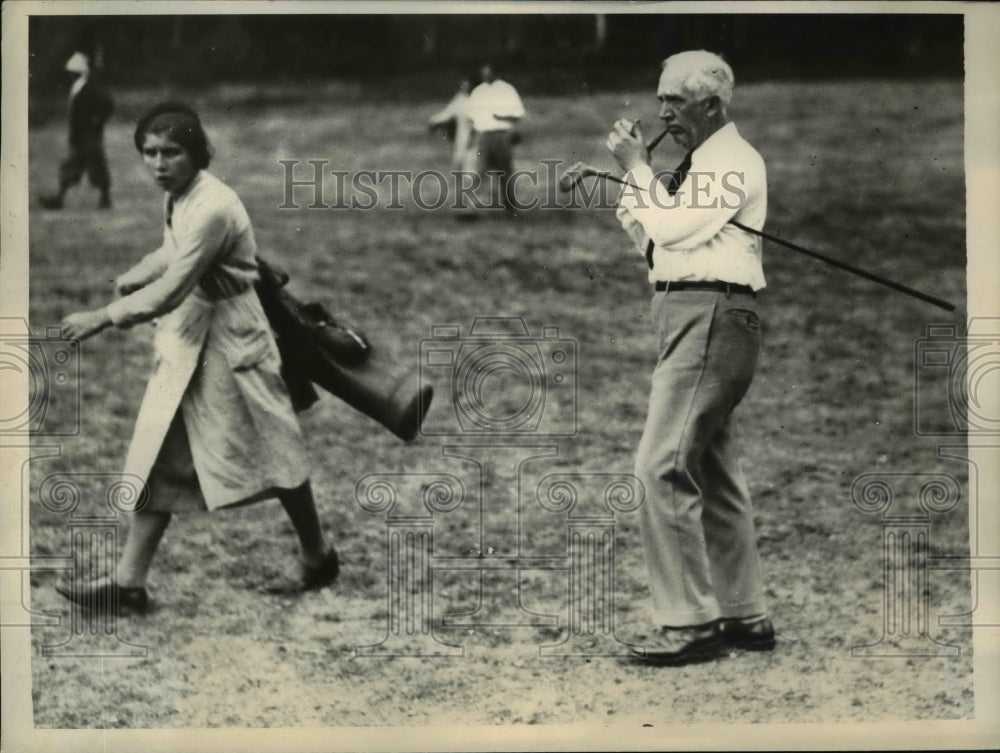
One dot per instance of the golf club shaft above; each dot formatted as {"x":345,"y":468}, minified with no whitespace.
{"x":897,"y":286}
{"x":609,"y":176}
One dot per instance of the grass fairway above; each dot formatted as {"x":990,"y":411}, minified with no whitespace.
{"x":871,"y":172}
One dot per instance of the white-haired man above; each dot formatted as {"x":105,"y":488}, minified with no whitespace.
{"x":697,"y":523}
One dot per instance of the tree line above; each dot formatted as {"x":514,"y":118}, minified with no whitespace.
{"x":542,"y":48}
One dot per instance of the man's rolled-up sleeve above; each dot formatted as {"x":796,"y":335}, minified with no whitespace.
{"x":509,"y":104}
{"x":633,"y":228}
{"x":703,"y":204}
{"x":450,"y":112}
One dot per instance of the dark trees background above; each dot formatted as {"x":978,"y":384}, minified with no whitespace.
{"x":542,"y":51}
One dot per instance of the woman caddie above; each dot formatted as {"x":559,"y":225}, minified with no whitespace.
{"x":216,"y":427}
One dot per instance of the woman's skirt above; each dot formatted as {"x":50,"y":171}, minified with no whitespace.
{"x":235,"y":438}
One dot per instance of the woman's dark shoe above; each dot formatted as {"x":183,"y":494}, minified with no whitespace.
{"x":321,"y":575}
{"x":753,"y":633}
{"x":673,"y":646}
{"x":104,"y":595}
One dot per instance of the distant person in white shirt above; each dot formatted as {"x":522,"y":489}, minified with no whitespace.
{"x":495,"y":109}
{"x":456,"y":124}
{"x":697,"y":521}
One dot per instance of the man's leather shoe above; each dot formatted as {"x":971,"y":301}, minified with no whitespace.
{"x":754,"y":634}
{"x":323,"y":574}
{"x":106,"y":595}
{"x":675,"y":646}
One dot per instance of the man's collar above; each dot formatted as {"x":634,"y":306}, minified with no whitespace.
{"x":726,"y":131}
{"x":80,"y":82}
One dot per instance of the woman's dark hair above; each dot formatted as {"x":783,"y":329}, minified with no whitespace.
{"x":181,"y":124}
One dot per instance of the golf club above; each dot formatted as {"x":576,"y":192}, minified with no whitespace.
{"x":581,"y":170}
{"x":898,"y":286}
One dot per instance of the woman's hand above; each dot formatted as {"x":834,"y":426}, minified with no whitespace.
{"x":83,"y":324}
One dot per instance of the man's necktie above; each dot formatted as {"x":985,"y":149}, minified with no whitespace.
{"x":676,"y":179}
{"x":170,"y":211}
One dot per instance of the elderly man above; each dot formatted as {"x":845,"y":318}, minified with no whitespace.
{"x":495,"y":109}
{"x":697,"y":523}
{"x":90,"y":106}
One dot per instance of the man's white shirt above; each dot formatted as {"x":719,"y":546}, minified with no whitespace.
{"x":691,"y":232}
{"x":80,"y":82}
{"x":489,"y":100}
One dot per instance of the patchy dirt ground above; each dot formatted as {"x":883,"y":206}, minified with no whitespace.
{"x":849,"y":171}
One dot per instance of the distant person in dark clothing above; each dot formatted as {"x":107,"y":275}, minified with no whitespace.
{"x":90,"y":106}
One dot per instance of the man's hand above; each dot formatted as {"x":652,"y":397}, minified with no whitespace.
{"x":83,"y":324}
{"x":627,"y":145}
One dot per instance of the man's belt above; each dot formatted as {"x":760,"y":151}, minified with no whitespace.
{"x":663,"y":286}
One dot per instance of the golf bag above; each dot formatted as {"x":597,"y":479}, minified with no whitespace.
{"x":317,"y":349}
